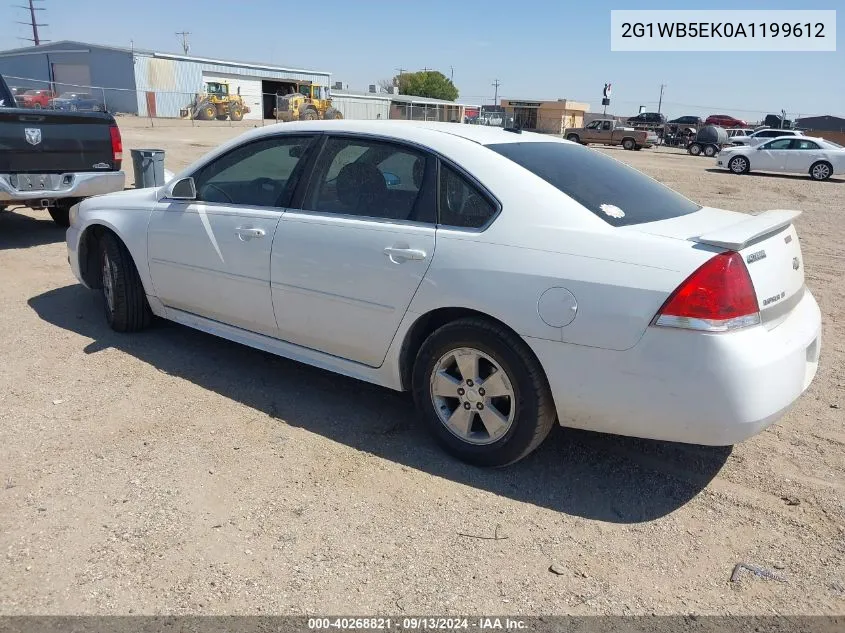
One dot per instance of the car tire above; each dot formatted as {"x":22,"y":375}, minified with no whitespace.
{"x":694,"y":149}
{"x":628,"y":143}
{"x":520,"y":419}
{"x":821,"y":170}
{"x":574,"y":138}
{"x":125,"y":301}
{"x":710,"y":151}
{"x":60,"y":215}
{"x":739,"y":165}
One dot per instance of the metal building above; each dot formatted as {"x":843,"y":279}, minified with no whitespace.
{"x":361,"y":105}
{"x":147,"y":83}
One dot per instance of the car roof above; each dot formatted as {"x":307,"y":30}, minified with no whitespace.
{"x":411,"y":130}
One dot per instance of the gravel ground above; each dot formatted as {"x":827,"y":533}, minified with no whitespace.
{"x":172,"y":472}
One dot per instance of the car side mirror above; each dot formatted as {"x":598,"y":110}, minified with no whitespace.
{"x":182,"y":189}
{"x":391,"y":179}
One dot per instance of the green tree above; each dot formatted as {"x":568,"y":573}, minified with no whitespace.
{"x":427,"y":83}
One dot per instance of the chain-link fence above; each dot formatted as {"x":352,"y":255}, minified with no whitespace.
{"x":215,"y":105}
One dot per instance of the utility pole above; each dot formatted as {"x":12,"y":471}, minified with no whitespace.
{"x":35,"y":39}
{"x":496,"y":83}
{"x":451,"y":73}
{"x":660,"y":102}
{"x":186,"y":46}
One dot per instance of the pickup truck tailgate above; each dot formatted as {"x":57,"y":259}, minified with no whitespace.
{"x":47,"y":142}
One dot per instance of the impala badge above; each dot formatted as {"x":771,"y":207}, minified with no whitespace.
{"x":795,"y":263}
{"x":33,"y":135}
{"x":755,"y":257}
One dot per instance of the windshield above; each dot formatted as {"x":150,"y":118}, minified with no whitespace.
{"x":831,"y":144}
{"x":618,"y":194}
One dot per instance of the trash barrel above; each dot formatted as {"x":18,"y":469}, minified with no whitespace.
{"x":149,"y":167}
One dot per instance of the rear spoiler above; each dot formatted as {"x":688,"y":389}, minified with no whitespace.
{"x":737,"y":236}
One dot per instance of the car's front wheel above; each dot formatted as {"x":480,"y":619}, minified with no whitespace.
{"x":482,"y":392}
{"x":126,"y":304}
{"x":739,"y":165}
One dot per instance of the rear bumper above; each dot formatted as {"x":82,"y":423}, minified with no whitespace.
{"x":78,"y":185}
{"x":683,"y":386}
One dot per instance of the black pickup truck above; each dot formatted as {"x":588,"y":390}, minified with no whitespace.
{"x":52,"y":160}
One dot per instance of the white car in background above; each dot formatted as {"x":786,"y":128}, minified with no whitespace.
{"x":738,"y":131}
{"x":509,"y":280}
{"x":817,"y":157}
{"x":761,"y":136}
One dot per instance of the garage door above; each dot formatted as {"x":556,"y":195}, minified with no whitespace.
{"x":250,"y":88}
{"x":72,"y":77}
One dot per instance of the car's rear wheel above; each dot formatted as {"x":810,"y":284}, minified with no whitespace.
{"x":709,"y":151}
{"x":574,"y":138}
{"x":126,"y":304}
{"x":482,"y":393}
{"x":628,"y":144}
{"x":821,"y":170}
{"x":695,"y":149}
{"x":739,"y":165}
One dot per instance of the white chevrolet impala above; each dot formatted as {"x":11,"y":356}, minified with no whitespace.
{"x":509,"y":280}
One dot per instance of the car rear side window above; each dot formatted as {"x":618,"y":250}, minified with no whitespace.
{"x":462,"y":204}
{"x":618,"y":194}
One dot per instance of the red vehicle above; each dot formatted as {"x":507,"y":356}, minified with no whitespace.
{"x":37,"y":98}
{"x":724,"y":120}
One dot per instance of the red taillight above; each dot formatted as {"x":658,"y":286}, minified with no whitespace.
{"x":116,"y":146}
{"x":717,"y":297}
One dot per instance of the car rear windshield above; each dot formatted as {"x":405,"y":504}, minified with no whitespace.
{"x":618,"y":194}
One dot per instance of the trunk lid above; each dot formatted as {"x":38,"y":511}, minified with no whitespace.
{"x":50,"y":142}
{"x":767,"y":242}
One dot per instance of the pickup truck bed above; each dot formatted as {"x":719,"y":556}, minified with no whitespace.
{"x":55,"y":159}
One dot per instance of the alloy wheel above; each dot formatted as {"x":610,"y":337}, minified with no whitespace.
{"x":473,"y":396}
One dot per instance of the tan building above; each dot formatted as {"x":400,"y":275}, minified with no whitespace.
{"x":546,"y":116}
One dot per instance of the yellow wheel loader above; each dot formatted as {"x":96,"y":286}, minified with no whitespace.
{"x":307,"y":103}
{"x":216,"y":103}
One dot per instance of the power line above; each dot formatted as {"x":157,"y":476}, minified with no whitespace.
{"x":35,"y":39}
{"x":186,"y":46}
{"x":496,"y":83}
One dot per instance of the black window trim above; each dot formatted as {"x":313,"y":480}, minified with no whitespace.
{"x":432,"y":171}
{"x":281,"y":204}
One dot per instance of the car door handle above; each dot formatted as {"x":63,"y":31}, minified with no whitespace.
{"x":402,"y":254}
{"x":246,"y":233}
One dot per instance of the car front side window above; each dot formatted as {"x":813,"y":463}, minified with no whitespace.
{"x":260,"y":173}
{"x":783,"y":143}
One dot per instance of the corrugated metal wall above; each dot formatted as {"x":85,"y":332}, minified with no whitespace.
{"x":111,"y":72}
{"x":174,"y":82}
{"x":357,"y":107}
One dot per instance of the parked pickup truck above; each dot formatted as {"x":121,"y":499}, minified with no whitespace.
{"x":610,"y":132}
{"x":52,"y":160}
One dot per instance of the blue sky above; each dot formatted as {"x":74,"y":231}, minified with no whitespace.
{"x":543,"y":49}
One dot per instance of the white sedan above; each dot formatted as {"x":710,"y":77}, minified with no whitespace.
{"x":796,"y":155}
{"x":509,"y":280}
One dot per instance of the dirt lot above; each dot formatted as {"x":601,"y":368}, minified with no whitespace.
{"x":172,"y":472}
